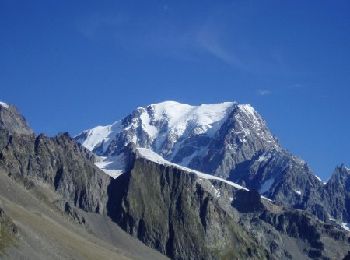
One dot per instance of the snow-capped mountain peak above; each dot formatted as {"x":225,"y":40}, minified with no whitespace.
{"x":157,"y":124}
{"x":184,"y":134}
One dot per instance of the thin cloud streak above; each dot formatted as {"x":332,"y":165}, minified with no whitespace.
{"x":188,"y":42}
{"x":208,"y":39}
{"x":264,"y":92}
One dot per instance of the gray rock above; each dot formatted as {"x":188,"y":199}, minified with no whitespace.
{"x":59,"y":162}
{"x":336,"y":194}
{"x":184,"y":216}
{"x":13,"y":121}
{"x":176,"y":213}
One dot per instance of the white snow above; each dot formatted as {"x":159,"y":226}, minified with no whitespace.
{"x":318,"y":178}
{"x":250,"y":111}
{"x":98,"y":135}
{"x":113,"y":166}
{"x":346,"y":226}
{"x":179,"y":116}
{"x":152,"y":156}
{"x":263,"y":197}
{"x":216,"y":191}
{"x":4,"y":104}
{"x":298,"y":192}
{"x":248,"y":108}
{"x":261,"y":158}
{"x":264,"y":157}
{"x":151,"y":130}
{"x":266,"y":185}
{"x":95,"y":136}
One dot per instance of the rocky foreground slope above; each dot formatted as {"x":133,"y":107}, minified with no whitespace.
{"x":51,"y":188}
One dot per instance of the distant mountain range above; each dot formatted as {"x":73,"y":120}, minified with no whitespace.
{"x":191,"y":182}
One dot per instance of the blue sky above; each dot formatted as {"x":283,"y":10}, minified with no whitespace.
{"x":71,"y":65}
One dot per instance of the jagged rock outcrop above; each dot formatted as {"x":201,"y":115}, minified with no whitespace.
{"x":60,"y":162}
{"x":185,"y":216}
{"x":241,"y":137}
{"x":13,"y":121}
{"x":283,"y":178}
{"x":336,"y":194}
{"x":174,"y":213}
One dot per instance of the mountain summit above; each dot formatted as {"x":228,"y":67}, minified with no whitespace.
{"x":221,"y":135}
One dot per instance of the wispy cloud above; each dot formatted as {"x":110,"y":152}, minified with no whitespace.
{"x":215,"y":35}
{"x":229,"y":46}
{"x":264,"y":92}
{"x":209,"y":41}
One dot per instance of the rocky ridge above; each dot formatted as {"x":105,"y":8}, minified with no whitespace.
{"x":186,"y":214}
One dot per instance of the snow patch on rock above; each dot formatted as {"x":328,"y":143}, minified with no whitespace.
{"x":152,"y":156}
{"x":113,"y":166}
{"x":318,"y":178}
{"x":3,"y":104}
{"x":346,"y":226}
{"x":298,"y":192}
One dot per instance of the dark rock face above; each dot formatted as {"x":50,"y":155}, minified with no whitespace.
{"x":297,"y":225}
{"x":59,"y":162}
{"x":248,"y":201}
{"x":242,"y":136}
{"x":184,"y":216}
{"x":336,"y":194}
{"x":13,"y":121}
{"x":174,"y":213}
{"x":293,"y":184}
{"x":283,"y":178}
